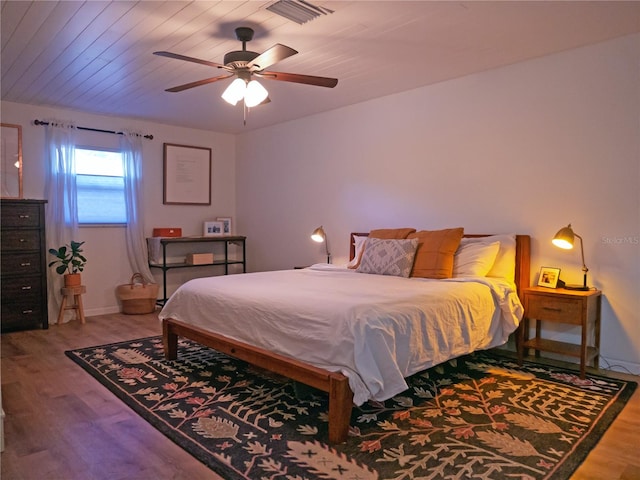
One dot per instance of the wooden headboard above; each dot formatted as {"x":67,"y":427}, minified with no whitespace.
{"x":523,"y":257}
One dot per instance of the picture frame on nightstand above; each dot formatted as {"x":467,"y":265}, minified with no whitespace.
{"x":549,"y":277}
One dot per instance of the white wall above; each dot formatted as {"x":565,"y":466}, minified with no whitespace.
{"x":526,"y":148}
{"x":105,"y":247}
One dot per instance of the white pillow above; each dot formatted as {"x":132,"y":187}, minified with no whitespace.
{"x":388,"y":257}
{"x":505,"y":263}
{"x":358,"y":241}
{"x":474,"y":259}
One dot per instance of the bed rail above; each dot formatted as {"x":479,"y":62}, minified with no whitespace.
{"x":334,"y":383}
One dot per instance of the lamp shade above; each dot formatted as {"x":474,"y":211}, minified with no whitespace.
{"x":235,"y":91}
{"x":318,"y":235}
{"x":252,"y":92}
{"x":255,"y":94}
{"x":564,"y":238}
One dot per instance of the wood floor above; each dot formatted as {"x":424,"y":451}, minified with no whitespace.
{"x":61,"y":424}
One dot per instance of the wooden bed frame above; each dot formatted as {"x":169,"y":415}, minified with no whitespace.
{"x":334,"y":383}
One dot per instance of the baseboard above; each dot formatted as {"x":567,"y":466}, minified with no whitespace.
{"x":619,"y":366}
{"x":93,"y":312}
{"x":101,"y":311}
{"x":104,"y":311}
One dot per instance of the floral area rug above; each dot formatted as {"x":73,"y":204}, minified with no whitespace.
{"x":479,"y":416}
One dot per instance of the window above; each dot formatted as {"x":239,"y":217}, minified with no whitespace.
{"x":100,"y":185}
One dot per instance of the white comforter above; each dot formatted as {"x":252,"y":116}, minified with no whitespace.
{"x":374,"y":329}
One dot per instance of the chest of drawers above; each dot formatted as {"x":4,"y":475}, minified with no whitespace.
{"x":23,"y":289}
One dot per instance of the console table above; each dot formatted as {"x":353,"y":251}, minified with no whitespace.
{"x":225,"y":262}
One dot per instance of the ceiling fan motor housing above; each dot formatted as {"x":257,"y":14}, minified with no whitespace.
{"x":239,"y":58}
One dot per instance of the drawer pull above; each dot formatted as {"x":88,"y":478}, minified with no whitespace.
{"x":25,"y":264}
{"x":22,"y":240}
{"x":552,"y":309}
{"x":26,"y":312}
{"x":26,"y":287}
{"x":25,"y":216}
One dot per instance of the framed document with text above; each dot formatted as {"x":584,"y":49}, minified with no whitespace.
{"x":187,"y":175}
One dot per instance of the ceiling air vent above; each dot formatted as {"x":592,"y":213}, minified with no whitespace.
{"x":298,"y":11}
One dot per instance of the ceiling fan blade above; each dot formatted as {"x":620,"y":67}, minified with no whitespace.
{"x":186,"y":86}
{"x":297,"y":78}
{"x":188,"y":59}
{"x":270,"y":56}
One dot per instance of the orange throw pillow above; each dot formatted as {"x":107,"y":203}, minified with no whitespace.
{"x":391,"y":233}
{"x":436,"y":248}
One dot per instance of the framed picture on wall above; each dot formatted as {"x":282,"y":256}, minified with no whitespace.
{"x":187,"y":175}
{"x":213,"y":229}
{"x":549,"y":277}
{"x":227,"y":224}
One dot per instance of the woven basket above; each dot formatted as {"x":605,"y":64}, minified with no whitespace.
{"x":137,"y":297}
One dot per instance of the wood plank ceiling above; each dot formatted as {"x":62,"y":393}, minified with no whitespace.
{"x":96,"y":56}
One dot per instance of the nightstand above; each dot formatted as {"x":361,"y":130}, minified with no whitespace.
{"x":572,"y":307}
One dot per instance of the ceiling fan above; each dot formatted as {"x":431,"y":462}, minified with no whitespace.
{"x":245,"y":64}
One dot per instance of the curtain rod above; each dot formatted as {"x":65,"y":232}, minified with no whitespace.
{"x":40,"y":122}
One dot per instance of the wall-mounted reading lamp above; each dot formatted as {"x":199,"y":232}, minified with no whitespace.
{"x":565,"y":239}
{"x":320,"y":236}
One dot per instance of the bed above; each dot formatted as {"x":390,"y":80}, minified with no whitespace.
{"x":352,"y":335}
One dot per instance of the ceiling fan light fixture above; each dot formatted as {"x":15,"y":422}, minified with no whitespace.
{"x":255,"y":94}
{"x":235,"y":91}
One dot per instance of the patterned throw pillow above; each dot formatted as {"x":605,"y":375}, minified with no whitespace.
{"x":388,"y":257}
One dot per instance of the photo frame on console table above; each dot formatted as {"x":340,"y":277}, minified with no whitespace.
{"x":226,"y":221}
{"x":187,"y":175}
{"x":213,"y":229}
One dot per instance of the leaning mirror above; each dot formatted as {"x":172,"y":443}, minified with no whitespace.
{"x":11,"y":160}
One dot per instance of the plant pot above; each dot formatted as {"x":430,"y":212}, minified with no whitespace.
{"x":72,"y":280}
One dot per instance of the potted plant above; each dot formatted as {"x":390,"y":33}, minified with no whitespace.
{"x":70,"y":262}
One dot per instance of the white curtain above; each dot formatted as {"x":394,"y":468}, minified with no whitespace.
{"x":60,"y":191}
{"x":131,"y":147}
